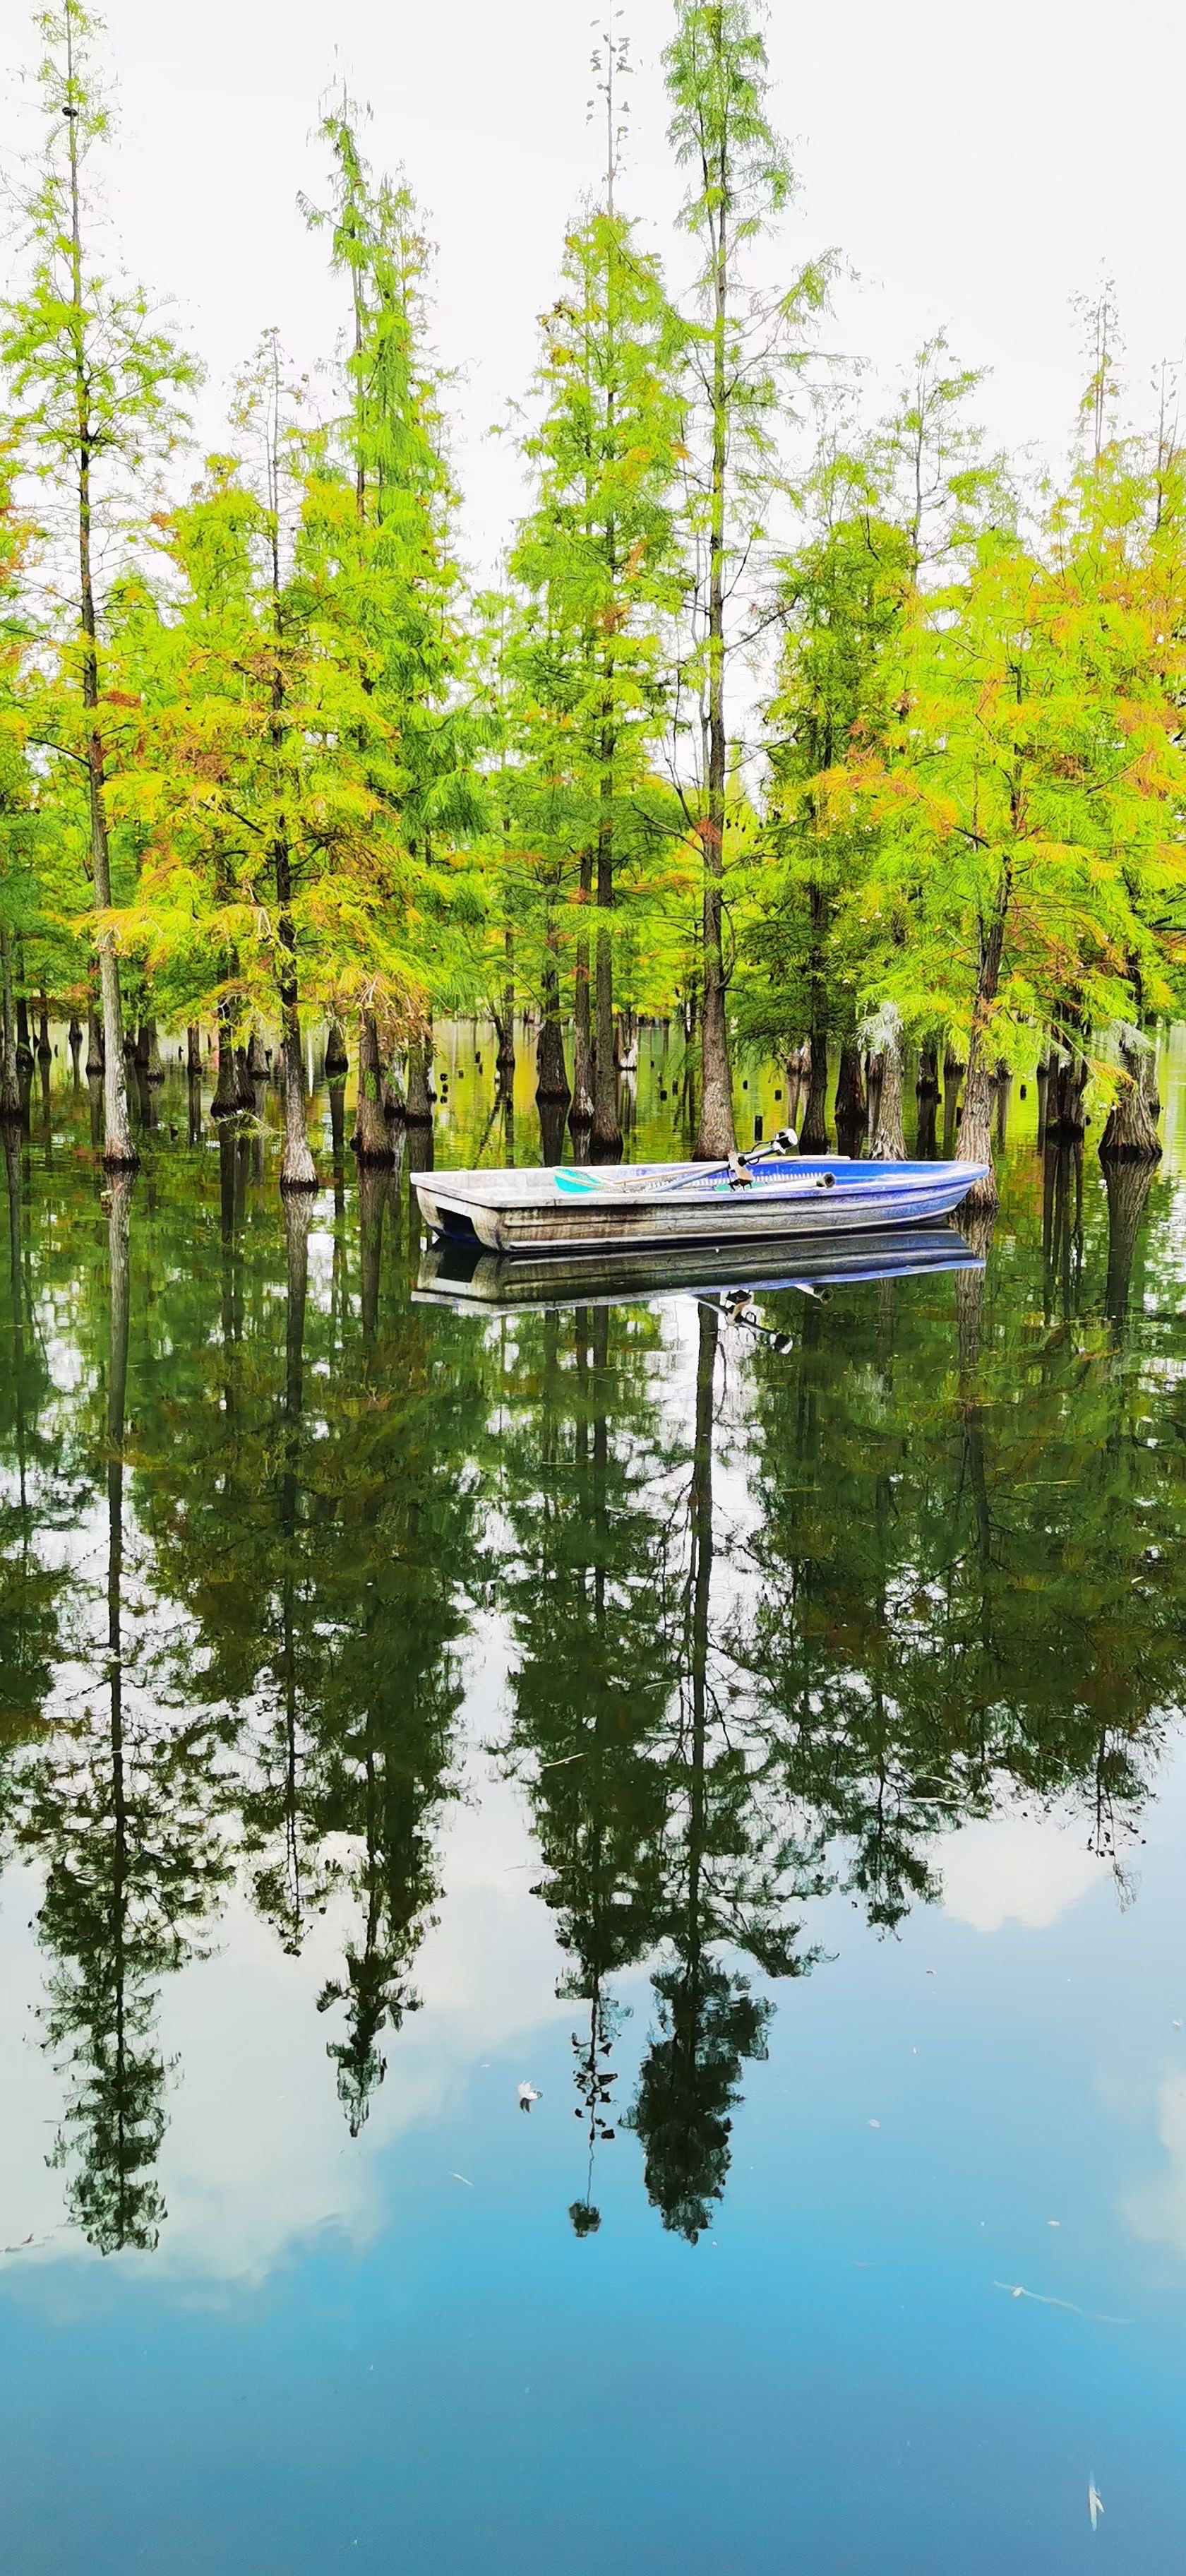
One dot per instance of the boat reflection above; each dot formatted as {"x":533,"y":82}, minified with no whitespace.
{"x":463,"y":1276}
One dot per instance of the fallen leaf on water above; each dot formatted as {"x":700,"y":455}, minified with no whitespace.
{"x":456,"y":2177}
{"x":1095,"y":2502}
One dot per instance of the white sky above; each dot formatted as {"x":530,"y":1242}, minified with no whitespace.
{"x":973,"y":166}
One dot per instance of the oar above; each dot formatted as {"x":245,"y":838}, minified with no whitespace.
{"x":583,"y":1183}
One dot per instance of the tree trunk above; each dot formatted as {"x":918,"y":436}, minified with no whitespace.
{"x":580,"y":1111}
{"x":874,"y":1071}
{"x":418,"y":1106}
{"x":337,"y":1061}
{"x":506,"y":1028}
{"x":149,"y":1052}
{"x":24,"y":1051}
{"x":10,"y":1087}
{"x":953,"y":1074}
{"x":717,"y":1135}
{"x":975,"y":1135}
{"x":850,"y":1106}
{"x":395,"y":1106}
{"x":1130,"y":1135}
{"x":607,"y":1134}
{"x":193,"y":1051}
{"x":1065,"y":1119}
{"x":298,"y":1170}
{"x":813,"y":1135}
{"x":244,"y":1086}
{"x":371,"y":1141}
{"x":551,"y":1076}
{"x":887,"y":1143}
{"x":44,"y":1049}
{"x":225,"y":1103}
{"x":94,"y":1047}
{"x":1004,"y":1088}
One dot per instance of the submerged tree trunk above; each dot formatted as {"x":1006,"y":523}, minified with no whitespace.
{"x":374,"y":1187}
{"x":371,"y":1140}
{"x":1127,"y":1182}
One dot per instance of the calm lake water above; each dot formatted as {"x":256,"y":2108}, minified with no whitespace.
{"x":760,"y":1738}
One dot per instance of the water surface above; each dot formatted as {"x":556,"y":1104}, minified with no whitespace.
{"x":760,"y":1737}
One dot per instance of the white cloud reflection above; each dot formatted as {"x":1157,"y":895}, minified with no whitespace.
{"x":257,"y":2159}
{"x":1019,"y":1869}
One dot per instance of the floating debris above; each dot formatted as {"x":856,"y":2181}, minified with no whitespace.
{"x":1094,"y":2316}
{"x":528,"y":2095}
{"x":1095,"y":2502}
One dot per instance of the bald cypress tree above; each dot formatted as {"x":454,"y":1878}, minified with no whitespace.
{"x":740,"y":181}
{"x":95,"y":381}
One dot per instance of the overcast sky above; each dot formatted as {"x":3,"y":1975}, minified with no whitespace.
{"x":973,"y":166}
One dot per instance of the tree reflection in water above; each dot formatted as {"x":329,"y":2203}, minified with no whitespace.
{"x":781,"y":1610}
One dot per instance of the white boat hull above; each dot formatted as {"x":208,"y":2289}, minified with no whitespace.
{"x":539,"y":1213}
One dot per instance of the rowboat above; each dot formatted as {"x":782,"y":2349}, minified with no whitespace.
{"x":687,"y":1206}
{"x":468,"y":1279}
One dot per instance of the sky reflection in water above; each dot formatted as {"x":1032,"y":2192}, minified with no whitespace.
{"x":771,"y":1756}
